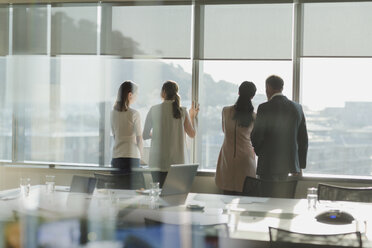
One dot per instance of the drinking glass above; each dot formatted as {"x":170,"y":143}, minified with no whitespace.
{"x":25,"y":185}
{"x":154,"y":190}
{"x":110,"y":191}
{"x":50,"y":183}
{"x":312,"y":198}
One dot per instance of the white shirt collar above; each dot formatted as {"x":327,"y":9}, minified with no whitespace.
{"x":276,"y":94}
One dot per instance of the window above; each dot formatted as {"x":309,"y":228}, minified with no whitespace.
{"x":250,"y":31}
{"x":30,"y":29}
{"x":5,"y":113}
{"x":74,"y":29}
{"x":61,"y":65}
{"x":147,"y":31}
{"x":339,"y":118}
{"x":4,"y":31}
{"x":337,"y":39}
{"x":241,"y":42}
{"x":337,"y":29}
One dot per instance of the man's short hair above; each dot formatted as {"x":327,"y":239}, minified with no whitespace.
{"x":275,"y":82}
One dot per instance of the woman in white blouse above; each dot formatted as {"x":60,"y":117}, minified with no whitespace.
{"x":126,"y":128}
{"x":166,"y":125}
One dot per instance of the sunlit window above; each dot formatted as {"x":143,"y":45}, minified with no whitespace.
{"x":338,"y":107}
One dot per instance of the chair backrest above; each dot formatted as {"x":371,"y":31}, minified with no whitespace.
{"x":280,"y":238}
{"x":252,"y":186}
{"x":265,"y":188}
{"x":134,"y":180}
{"x":339,"y":193}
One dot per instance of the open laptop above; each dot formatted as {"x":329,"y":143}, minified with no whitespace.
{"x":179,"y":179}
{"x":81,"y":184}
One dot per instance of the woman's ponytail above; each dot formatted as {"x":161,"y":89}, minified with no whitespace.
{"x":243,"y":106}
{"x":170,"y":89}
{"x":176,"y":106}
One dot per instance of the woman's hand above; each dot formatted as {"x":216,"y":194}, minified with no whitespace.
{"x":194,"y":110}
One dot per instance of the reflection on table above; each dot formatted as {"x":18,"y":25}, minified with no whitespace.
{"x":117,"y":217}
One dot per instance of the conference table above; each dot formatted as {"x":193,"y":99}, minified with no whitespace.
{"x":247,"y":218}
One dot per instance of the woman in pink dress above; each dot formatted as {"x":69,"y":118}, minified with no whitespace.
{"x":237,"y":159}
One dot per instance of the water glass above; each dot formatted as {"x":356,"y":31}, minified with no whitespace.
{"x":312,"y":198}
{"x":25,"y":185}
{"x":154,"y":190}
{"x":109,"y":187}
{"x":50,"y":183}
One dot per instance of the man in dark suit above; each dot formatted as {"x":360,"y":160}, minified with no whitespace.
{"x":279,"y":136}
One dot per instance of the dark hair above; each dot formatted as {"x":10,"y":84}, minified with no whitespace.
{"x":243,"y":106}
{"x":122,"y":101}
{"x":170,"y":89}
{"x":275,"y":82}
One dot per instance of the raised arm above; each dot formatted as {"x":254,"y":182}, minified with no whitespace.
{"x":189,"y":123}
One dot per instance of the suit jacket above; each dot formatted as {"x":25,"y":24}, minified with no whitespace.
{"x":279,"y":137}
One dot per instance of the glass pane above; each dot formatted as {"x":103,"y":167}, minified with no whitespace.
{"x":58,"y":109}
{"x":5,"y":113}
{"x":29,"y":29}
{"x":155,"y":31}
{"x":338,"y":107}
{"x":74,"y":30}
{"x":4,"y":31}
{"x":255,"y":31}
{"x":337,"y":29}
{"x":30,"y":79}
{"x":150,"y":76}
{"x":221,"y":80}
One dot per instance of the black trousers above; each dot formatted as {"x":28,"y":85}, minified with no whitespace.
{"x":125,"y":165}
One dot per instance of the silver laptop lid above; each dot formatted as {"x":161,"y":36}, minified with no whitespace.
{"x":179,"y":179}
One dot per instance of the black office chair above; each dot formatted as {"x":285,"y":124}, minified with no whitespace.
{"x":134,"y":180}
{"x":265,"y":188}
{"x":339,"y":193}
{"x":280,"y":238}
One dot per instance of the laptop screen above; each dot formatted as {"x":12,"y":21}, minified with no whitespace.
{"x":179,"y":179}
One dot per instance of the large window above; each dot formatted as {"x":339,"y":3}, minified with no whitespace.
{"x":241,"y":43}
{"x":61,"y":65}
{"x":339,"y":118}
{"x":5,"y":113}
{"x":147,"y":31}
{"x":335,"y":68}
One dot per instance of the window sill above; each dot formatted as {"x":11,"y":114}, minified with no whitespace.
{"x":54,"y":166}
{"x":202,"y":173}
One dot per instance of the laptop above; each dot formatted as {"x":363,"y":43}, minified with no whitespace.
{"x":179,"y":179}
{"x":81,"y":184}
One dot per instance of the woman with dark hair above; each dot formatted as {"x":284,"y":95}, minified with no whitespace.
{"x":237,"y":159}
{"x":166,"y":125}
{"x":126,"y":129}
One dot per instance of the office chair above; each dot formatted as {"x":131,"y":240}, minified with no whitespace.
{"x":339,"y":193}
{"x":265,"y":188}
{"x":280,"y":238}
{"x":134,"y":180}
